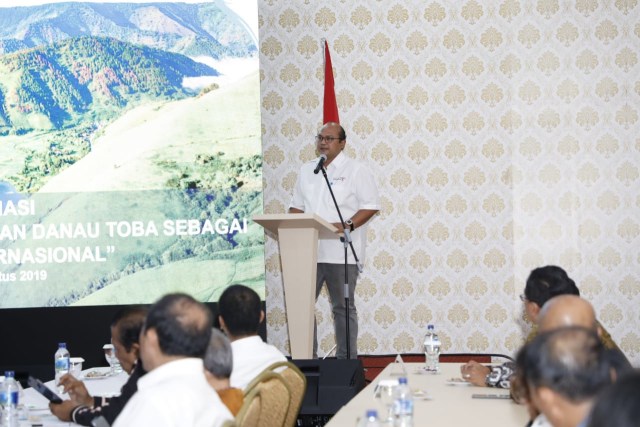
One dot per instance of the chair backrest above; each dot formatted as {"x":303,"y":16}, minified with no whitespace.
{"x":249,"y":413}
{"x":266,"y":402}
{"x":297,"y":383}
{"x":229,"y":423}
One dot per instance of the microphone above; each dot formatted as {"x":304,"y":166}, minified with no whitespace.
{"x":323,"y":158}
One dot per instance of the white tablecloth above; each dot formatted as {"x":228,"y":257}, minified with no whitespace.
{"x":448,"y":405}
{"x":39,"y":414}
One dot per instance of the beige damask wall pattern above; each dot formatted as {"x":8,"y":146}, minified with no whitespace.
{"x":504,"y":135}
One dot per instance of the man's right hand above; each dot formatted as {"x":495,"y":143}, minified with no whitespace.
{"x":475,"y":373}
{"x":62,"y":410}
{"x":77,"y":390}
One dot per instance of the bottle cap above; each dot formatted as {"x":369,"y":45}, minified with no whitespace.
{"x":9,"y":374}
{"x":402,"y":380}
{"x":62,"y":344}
{"x":429,"y":327}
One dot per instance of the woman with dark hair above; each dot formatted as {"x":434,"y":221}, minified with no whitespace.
{"x":543,"y":284}
{"x":83,"y":408}
{"x":548,"y":282}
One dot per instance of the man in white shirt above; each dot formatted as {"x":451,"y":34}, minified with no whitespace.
{"x":356,"y":194}
{"x":564,"y":370}
{"x":174,"y":392}
{"x":240,"y":317}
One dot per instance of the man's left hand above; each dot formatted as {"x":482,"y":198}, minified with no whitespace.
{"x":339,"y":226}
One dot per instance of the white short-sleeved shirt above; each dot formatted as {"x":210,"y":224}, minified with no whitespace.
{"x":251,"y":356}
{"x":175,"y":394}
{"x":354,"y":188}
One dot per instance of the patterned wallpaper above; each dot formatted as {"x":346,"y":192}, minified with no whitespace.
{"x":504,"y":135}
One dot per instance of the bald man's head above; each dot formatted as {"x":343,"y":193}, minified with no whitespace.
{"x":567,"y":310}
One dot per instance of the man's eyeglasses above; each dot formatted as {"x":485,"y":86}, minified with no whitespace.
{"x":523,"y":298}
{"x":329,"y":139}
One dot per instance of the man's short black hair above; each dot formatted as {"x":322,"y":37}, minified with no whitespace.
{"x":571,"y":361}
{"x":129,"y":322}
{"x":240,"y":309}
{"x":183,"y":325}
{"x":343,"y":134}
{"x":547,"y":282}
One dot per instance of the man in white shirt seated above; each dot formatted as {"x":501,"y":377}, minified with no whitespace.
{"x":240,"y":316}
{"x":174,"y":392}
{"x":563,"y":371}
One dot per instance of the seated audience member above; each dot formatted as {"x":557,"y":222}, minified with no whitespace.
{"x":619,"y":405}
{"x":174,"y":392}
{"x":240,"y":317}
{"x":571,"y":310}
{"x":218,"y":364}
{"x":82,"y":408}
{"x":520,"y":394}
{"x":564,"y":370}
{"x":543,"y":284}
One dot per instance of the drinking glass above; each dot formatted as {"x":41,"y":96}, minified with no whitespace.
{"x":75,"y":366}
{"x":386,"y":390}
{"x":110,"y":355}
{"x":117,"y":367}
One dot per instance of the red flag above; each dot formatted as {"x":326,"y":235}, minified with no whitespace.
{"x":330,"y":108}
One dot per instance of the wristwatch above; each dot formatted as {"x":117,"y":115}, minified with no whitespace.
{"x":350,"y":224}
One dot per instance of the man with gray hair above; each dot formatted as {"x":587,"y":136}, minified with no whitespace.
{"x":564,"y":370}
{"x":218,"y":364}
{"x":572,"y":310}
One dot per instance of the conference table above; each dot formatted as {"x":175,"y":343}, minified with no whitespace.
{"x":100,"y":385}
{"x":438,"y":401}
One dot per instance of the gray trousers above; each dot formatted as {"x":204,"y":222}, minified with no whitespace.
{"x":333,"y":276}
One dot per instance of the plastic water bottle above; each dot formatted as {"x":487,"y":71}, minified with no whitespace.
{"x":62,"y":361}
{"x":9,"y":399}
{"x":403,"y":405}
{"x":370,"y":419}
{"x":432,"y":350}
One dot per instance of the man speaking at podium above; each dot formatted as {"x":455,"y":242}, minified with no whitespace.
{"x":356,"y":195}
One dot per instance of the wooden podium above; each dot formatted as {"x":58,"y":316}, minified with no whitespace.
{"x":298,"y":236}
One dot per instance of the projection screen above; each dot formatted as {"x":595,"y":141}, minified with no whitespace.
{"x":130,"y":151}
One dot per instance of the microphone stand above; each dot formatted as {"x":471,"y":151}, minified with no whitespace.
{"x":347,"y":242}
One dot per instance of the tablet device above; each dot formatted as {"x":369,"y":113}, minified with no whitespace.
{"x":490,"y":396}
{"x":43,"y":390}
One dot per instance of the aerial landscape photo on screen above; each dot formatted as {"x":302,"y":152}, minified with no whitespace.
{"x":130,"y":151}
